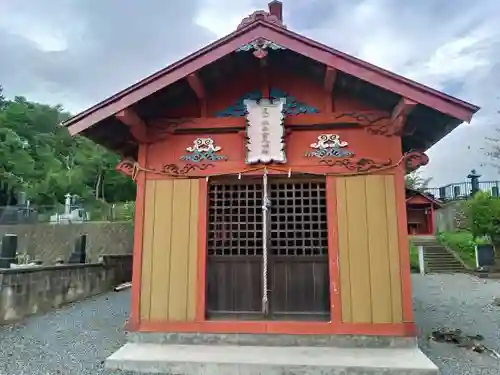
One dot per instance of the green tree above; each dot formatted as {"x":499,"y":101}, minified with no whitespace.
{"x":39,"y":157}
{"x":483,"y":217}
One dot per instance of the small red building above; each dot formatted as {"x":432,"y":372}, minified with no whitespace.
{"x":420,"y":209}
{"x":270,"y":190}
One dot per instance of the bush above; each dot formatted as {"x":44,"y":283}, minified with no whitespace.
{"x":462,"y":243}
{"x":483,"y":216}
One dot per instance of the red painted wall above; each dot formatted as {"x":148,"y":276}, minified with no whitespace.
{"x":364,"y":145}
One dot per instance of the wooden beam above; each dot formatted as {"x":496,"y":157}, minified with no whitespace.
{"x":199,"y":89}
{"x":400,"y":114}
{"x":196,"y":85}
{"x":330,"y":77}
{"x":137,"y":126}
{"x":352,"y":118}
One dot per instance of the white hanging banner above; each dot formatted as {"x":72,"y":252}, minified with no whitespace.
{"x":265,"y":131}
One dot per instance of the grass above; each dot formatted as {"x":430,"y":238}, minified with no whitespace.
{"x":462,"y":243}
{"x":414,"y":266}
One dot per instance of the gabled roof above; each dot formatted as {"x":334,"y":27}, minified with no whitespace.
{"x":412,"y":193}
{"x":262,"y":27}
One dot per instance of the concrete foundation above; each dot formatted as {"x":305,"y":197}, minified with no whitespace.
{"x":244,"y":354}
{"x":269,"y":360}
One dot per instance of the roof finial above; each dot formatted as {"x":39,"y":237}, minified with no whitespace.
{"x":274,"y":15}
{"x":276,"y":9}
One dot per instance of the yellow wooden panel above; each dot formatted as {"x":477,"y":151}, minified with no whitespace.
{"x":380,"y":282}
{"x":178,"y":288}
{"x":193,"y":250}
{"x":147,"y":249}
{"x":393,"y":249}
{"x":343,"y":238}
{"x":358,"y":249}
{"x":161,"y":250}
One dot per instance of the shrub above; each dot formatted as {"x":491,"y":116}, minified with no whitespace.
{"x":483,"y":216}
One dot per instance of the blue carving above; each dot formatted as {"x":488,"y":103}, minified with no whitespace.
{"x":238,"y":109}
{"x":330,"y":152}
{"x":292,"y":106}
{"x":198,"y":156}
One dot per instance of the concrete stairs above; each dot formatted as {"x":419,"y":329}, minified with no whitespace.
{"x":437,"y":258}
{"x":221,"y":355}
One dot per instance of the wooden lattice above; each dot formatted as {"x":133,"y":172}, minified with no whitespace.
{"x":298,"y":219}
{"x":235,"y":219}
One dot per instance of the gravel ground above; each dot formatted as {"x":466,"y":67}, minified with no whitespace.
{"x":458,"y":301}
{"x":76,"y":339}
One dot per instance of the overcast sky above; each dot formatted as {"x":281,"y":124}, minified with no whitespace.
{"x":79,"y":52}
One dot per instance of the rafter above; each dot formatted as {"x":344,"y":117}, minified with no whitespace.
{"x":400,"y":114}
{"x":330,"y":76}
{"x":137,"y":126}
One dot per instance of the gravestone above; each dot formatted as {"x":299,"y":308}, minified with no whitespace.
{"x":8,"y":251}
{"x":79,"y":254}
{"x":485,"y":256}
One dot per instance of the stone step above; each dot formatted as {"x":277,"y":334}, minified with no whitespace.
{"x":440,"y":256}
{"x":445,"y":270}
{"x":442,"y":260}
{"x":271,"y":360}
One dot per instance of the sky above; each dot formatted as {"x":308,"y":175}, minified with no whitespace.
{"x":76,"y":53}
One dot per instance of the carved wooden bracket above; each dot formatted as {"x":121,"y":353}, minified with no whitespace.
{"x":126,"y":166}
{"x":415,"y":160}
{"x":137,"y":126}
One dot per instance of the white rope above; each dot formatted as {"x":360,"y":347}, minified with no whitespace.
{"x":266,"y":204}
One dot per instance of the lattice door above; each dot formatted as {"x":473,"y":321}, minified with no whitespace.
{"x":297,"y":260}
{"x":234,"y":263}
{"x":298,"y":251}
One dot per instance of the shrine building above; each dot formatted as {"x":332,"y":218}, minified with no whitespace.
{"x":271,"y":207}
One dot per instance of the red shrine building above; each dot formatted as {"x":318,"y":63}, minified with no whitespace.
{"x":420,"y":208}
{"x":271,"y":198}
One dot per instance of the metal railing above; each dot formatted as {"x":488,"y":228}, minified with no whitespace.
{"x":463,"y":190}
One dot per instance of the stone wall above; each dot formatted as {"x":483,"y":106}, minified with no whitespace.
{"x":48,"y":242}
{"x":32,"y":290}
{"x":450,"y":217}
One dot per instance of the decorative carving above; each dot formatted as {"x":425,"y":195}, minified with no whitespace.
{"x":238,"y":109}
{"x":203,"y":149}
{"x":361,"y":165}
{"x":329,"y":145}
{"x":131,"y":168}
{"x":415,"y":160}
{"x":265,"y":131}
{"x":261,"y":15}
{"x":260,"y":47}
{"x":126,"y":166}
{"x":292,"y":105}
{"x":174,"y":169}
